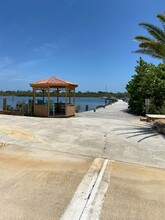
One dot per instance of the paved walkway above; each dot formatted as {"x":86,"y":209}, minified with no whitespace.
{"x":46,"y":164}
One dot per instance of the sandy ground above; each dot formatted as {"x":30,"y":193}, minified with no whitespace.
{"x":43,"y":161}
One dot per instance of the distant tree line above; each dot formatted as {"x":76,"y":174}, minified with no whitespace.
{"x":16,"y":93}
{"x":118,"y":95}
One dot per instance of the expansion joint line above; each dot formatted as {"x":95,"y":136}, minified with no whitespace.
{"x":88,"y":199}
{"x":89,"y":195}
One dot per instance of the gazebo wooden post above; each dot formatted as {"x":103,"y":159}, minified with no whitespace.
{"x":66,"y":101}
{"x":34,"y":99}
{"x":69,"y":96}
{"x":57,"y":96}
{"x":48,"y":100}
{"x":74,"y":96}
{"x":43,"y":95}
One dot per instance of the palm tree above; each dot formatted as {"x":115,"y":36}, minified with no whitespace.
{"x":154,"y":46}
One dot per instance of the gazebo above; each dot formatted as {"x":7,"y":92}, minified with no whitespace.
{"x":50,"y":104}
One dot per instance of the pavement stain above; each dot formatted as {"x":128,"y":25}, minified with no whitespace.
{"x":41,"y":193}
{"x":17,"y":132}
{"x":22,"y":134}
{"x":134,"y":190}
{"x":22,"y":162}
{"x":147,"y":173}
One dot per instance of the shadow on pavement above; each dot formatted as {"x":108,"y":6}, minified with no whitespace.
{"x":133,"y":131}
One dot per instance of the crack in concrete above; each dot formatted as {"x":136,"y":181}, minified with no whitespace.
{"x":2,"y":144}
{"x":105,"y":143}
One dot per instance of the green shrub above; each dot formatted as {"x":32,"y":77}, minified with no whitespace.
{"x":147,"y":83}
{"x":78,"y":107}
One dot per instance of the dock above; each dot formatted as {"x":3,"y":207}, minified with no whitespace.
{"x":153,"y":117}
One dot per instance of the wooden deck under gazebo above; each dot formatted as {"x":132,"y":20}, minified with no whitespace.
{"x":48,"y":106}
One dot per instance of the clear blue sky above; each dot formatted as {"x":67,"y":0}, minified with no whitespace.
{"x":88,"y":42}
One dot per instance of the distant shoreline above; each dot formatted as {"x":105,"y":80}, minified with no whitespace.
{"x":99,"y":94}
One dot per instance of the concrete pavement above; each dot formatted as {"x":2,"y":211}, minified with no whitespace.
{"x":108,"y":133}
{"x":43,"y":162}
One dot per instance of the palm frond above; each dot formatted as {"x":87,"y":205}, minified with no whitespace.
{"x":161,"y":18}
{"x":154,"y":31}
{"x":154,"y":45}
{"x":147,"y":52}
{"x":158,"y":50}
{"x":143,"y":38}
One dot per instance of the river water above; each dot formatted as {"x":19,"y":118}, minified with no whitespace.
{"x":81,"y":101}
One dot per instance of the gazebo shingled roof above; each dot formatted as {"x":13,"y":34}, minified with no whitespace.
{"x":53,"y":82}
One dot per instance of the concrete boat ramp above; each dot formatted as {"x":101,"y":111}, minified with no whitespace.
{"x":98,"y":165}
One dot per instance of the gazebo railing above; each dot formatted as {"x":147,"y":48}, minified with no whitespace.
{"x":55,"y":109}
